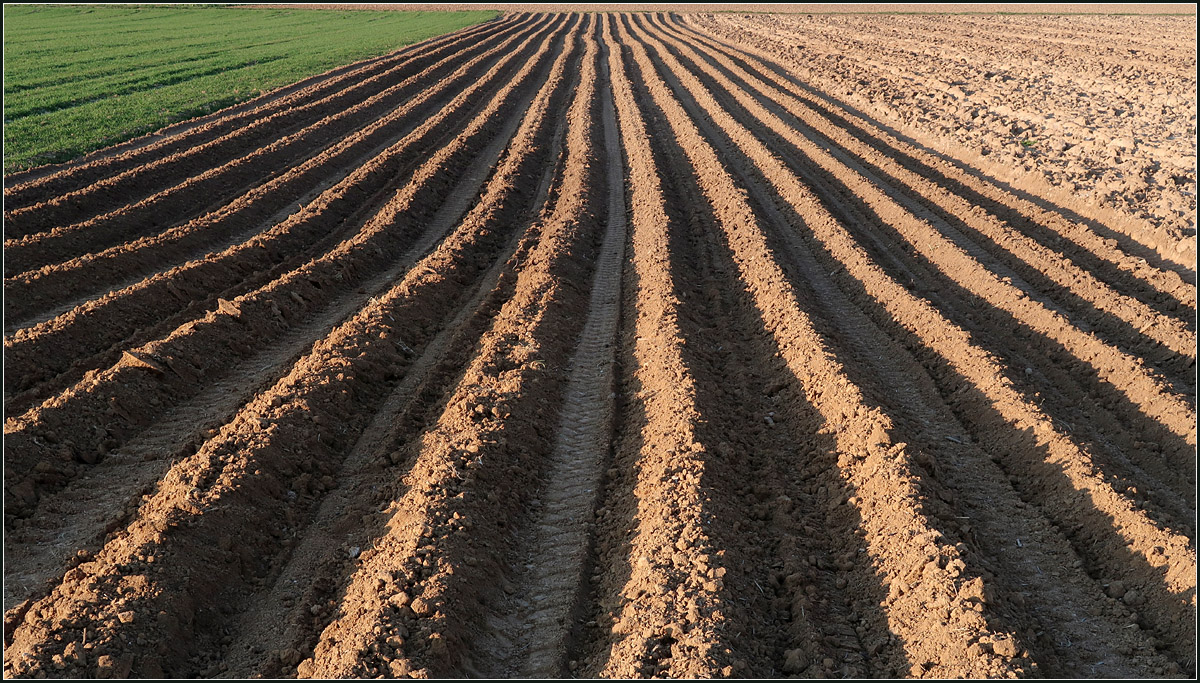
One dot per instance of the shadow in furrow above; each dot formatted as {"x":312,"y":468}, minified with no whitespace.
{"x":803,"y":596}
{"x":814,"y":177}
{"x":1152,"y":293}
{"x":1127,"y":243}
{"x":1161,"y":597}
{"x":1110,"y":325}
{"x":1056,"y":370}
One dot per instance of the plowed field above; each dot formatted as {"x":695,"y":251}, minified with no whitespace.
{"x":584,"y":345}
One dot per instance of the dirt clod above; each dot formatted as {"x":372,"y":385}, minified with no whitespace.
{"x":795,"y":661}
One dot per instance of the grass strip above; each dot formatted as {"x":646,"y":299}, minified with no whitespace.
{"x":79,"y":78}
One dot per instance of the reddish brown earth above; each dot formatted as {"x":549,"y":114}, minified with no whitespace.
{"x":596,"y":345}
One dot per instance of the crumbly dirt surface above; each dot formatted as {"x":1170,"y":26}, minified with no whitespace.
{"x":796,"y":8}
{"x":623,"y":345}
{"x":1102,"y":108}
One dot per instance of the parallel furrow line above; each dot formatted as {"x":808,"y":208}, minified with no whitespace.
{"x":1142,"y":388}
{"x":642,"y":515}
{"x":95,"y":327}
{"x":1160,"y":467}
{"x":802,"y":597}
{"x":220,"y":186}
{"x":532,"y":637}
{"x":27,"y":188}
{"x":237,"y":485}
{"x":883,"y":368}
{"x":1032,"y":259}
{"x":155,"y":375}
{"x":1107,"y":527}
{"x":1127,"y":246}
{"x":872,"y":462}
{"x":208,"y":162}
{"x":422,"y":582}
{"x":318,"y":565}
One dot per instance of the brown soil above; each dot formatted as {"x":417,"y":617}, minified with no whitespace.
{"x":614,"y":345}
{"x":1098,"y":111}
{"x":791,"y":8}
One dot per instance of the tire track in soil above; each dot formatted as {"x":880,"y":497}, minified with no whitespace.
{"x":527,"y":636}
{"x":187,"y":619}
{"x":265,"y":258}
{"x":1069,"y":640}
{"x":654,"y":479}
{"x":143,"y":309}
{"x":1088,"y":509}
{"x":347,"y":514}
{"x":84,"y":258}
{"x":790,"y":439}
{"x":176,"y":433}
{"x":422,"y":586}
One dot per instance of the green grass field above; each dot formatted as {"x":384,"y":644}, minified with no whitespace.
{"x":78,"y":78}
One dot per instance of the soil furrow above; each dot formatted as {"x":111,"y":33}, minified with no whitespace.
{"x":322,"y":560}
{"x":156,"y":375}
{"x":232,"y":156}
{"x":255,"y":206}
{"x":1128,"y":446}
{"x":424,"y":579}
{"x":934,"y":284}
{"x":222,"y":185}
{"x":640,"y":515}
{"x":975,"y":485}
{"x":1080,"y":242}
{"x":875,"y":467}
{"x":34,"y":558}
{"x":1099,"y":231}
{"x":529,"y":636}
{"x":1033,"y":261}
{"x":96,"y":326}
{"x":1143,"y":389}
{"x":770,"y":512}
{"x":26,"y":188}
{"x":1153,"y":464}
{"x":1046,"y":466}
{"x":237,"y":486}
{"x":88,"y":278}
{"x":249,"y":214}
{"x":622,"y":345}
